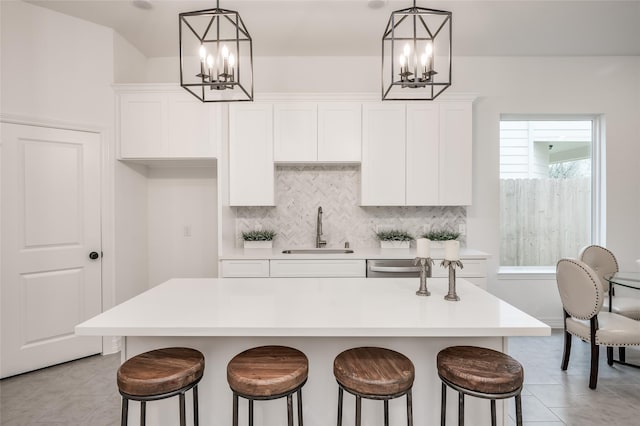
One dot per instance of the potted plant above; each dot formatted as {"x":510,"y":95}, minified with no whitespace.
{"x":438,"y":236}
{"x":258,"y":239}
{"x":394,"y":239}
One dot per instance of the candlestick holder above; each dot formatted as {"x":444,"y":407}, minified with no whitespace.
{"x":451,"y":264}
{"x":425,"y":271}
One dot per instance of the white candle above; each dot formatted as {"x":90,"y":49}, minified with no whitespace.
{"x":424,"y":248}
{"x":452,"y":250}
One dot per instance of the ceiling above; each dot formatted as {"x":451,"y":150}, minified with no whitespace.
{"x":354,"y":28}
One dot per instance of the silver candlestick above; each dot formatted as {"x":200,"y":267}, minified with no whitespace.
{"x":451,"y":264}
{"x":425,"y":271}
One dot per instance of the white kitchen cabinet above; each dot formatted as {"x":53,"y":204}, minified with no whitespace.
{"x":258,"y":268}
{"x":383,"y":154}
{"x":340,"y":132}
{"x":308,"y":132}
{"x":318,"y":268}
{"x":167,"y":125}
{"x":455,"y":153}
{"x":295,"y":132}
{"x":417,"y":155}
{"x":422,"y":160}
{"x":251,"y":166}
{"x":473,"y":270}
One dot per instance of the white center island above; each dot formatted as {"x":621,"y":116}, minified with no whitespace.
{"x":321,"y":317}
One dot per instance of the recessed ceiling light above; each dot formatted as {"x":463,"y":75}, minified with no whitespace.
{"x":376,"y":4}
{"x":142,"y":4}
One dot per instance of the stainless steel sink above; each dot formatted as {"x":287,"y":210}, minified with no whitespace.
{"x":318,"y":251}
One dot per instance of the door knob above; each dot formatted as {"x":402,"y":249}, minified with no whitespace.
{"x":94,"y":255}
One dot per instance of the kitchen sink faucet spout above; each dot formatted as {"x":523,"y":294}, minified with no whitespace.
{"x":319,"y":241}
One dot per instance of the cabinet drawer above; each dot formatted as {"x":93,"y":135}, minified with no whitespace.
{"x":245,"y":268}
{"x":470,"y":268}
{"x":318,"y":268}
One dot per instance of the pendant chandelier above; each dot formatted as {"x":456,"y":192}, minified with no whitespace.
{"x":416,"y":54}
{"x":216,"y":55}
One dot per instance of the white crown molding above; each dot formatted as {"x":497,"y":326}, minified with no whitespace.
{"x":53,"y":123}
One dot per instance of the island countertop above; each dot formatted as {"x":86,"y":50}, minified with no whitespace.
{"x":312,"y":307}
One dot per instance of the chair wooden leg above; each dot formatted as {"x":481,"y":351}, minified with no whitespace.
{"x":609,"y":355}
{"x":567,"y":351}
{"x":593,"y":377}
{"x":622,"y":354}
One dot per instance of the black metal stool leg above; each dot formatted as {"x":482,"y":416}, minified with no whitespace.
{"x":386,"y":412}
{"x":183,"y":414}
{"x":493,"y":412}
{"x":143,"y":413}
{"x":460,"y":409}
{"x":235,"y":409}
{"x":125,"y":412}
{"x":518,"y":410}
{"x":340,"y":397}
{"x":358,"y":411}
{"x":196,"y":418}
{"x":300,"y":407}
{"x":290,"y":410}
{"x":443,"y":406}
{"x":251,"y":412}
{"x":409,"y":409}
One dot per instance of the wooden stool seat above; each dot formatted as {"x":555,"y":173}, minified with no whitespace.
{"x":160,"y":371}
{"x":374,"y":371}
{"x":480,"y":370}
{"x":267,"y":371}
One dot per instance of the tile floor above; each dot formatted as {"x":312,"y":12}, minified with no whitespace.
{"x":83,"y":392}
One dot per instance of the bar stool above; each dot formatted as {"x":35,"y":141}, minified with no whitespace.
{"x":482,"y":373}
{"x":374,"y":373}
{"x":266,"y":373}
{"x":160,"y":374}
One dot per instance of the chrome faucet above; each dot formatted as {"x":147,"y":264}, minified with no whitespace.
{"x":319,"y":241}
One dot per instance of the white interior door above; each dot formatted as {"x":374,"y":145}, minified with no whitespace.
{"x":50,"y":225}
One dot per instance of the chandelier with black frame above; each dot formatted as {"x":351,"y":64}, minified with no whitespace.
{"x":216,"y":55}
{"x":416,"y":54}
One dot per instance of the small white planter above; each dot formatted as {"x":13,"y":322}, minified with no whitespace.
{"x":258,"y":244}
{"x":395,"y":244}
{"x":437,"y":244}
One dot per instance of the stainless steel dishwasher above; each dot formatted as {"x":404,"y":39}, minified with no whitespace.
{"x":386,"y":268}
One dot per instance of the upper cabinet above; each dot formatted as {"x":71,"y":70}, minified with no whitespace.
{"x":417,"y":154}
{"x":166,"y":124}
{"x":251,"y":167}
{"x":323,"y":132}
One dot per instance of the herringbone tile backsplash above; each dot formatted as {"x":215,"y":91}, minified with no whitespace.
{"x":300,"y":190}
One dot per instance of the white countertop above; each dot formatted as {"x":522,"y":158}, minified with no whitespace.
{"x":359,"y":253}
{"x":326,"y":307}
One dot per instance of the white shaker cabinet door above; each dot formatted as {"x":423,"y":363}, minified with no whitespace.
{"x":383,"y":155}
{"x":423,"y":162}
{"x":340,"y":132}
{"x":295,"y":132}
{"x":143,"y":125}
{"x":455,"y":153}
{"x":194,"y":127}
{"x":251,"y":167}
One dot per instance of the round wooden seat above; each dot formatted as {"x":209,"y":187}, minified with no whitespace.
{"x":374,"y":371}
{"x":267,"y":371}
{"x":160,"y":371}
{"x":480,"y":370}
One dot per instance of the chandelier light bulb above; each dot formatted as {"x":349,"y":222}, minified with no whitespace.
{"x":423,"y":59}
{"x":225,"y":51}
{"x":232,"y":60}
{"x":210,"y":61}
{"x":407,"y":50}
{"x":402,"y":60}
{"x":429,"y":49}
{"x":203,"y":53}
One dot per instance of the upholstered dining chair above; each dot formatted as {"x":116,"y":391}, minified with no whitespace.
{"x":582,"y":295}
{"x":604,"y":263}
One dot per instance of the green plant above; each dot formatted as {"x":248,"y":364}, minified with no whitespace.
{"x":263,"y":235}
{"x":394,"y":235}
{"x":441,"y":235}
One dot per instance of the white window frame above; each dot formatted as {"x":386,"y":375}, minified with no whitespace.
{"x":598,"y":193}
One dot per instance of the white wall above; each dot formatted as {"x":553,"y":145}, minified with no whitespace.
{"x":505,"y":85}
{"x":182,"y":223}
{"x":129,"y":64}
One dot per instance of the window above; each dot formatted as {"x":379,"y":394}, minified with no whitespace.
{"x":549,"y":189}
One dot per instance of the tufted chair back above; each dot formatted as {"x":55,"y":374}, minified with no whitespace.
{"x":601,"y":260}
{"x":580,"y":288}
